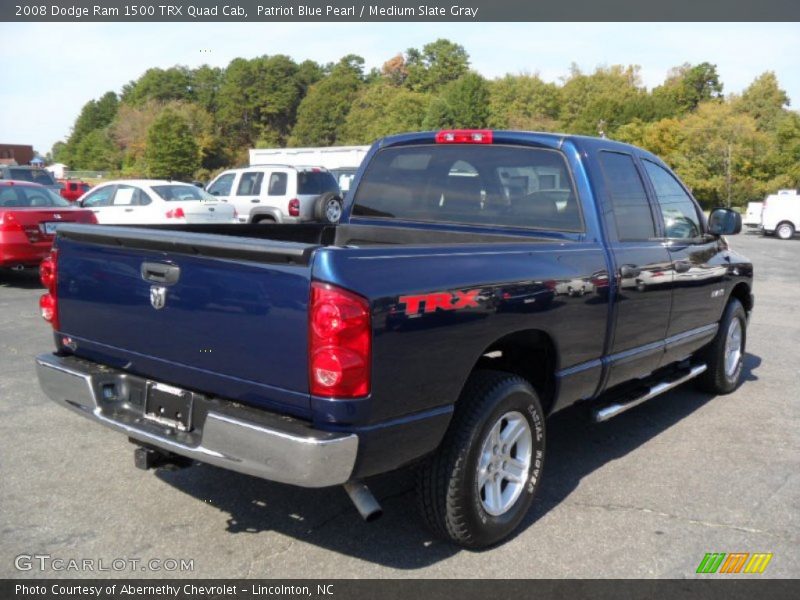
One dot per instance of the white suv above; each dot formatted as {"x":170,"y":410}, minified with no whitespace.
{"x":280,"y":194}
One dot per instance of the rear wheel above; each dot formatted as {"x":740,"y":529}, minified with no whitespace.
{"x":264,"y":220}
{"x":724,"y":356}
{"x":785,"y":231}
{"x":479,"y":485}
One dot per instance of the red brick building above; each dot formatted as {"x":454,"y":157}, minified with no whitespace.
{"x":19,"y":154}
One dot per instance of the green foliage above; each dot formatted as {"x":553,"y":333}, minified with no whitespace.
{"x":171,"y":151}
{"x":438,"y":63}
{"x":178,"y":121}
{"x":463,"y":103}
{"x":523,"y":102}
{"x":322,"y":114}
{"x":383,"y":109}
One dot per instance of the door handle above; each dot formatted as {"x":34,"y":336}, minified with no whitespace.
{"x":681,"y":266}
{"x":255,"y":200}
{"x":628,"y":271}
{"x":128,"y":210}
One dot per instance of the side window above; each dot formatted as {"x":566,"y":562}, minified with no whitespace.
{"x":101,"y":197}
{"x":250,"y":184}
{"x":678,"y":209}
{"x":277,"y":184}
{"x":141,"y":198}
{"x":628,"y":197}
{"x":124,"y":195}
{"x":222,"y":186}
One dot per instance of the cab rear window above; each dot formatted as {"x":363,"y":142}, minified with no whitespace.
{"x":489,"y":185}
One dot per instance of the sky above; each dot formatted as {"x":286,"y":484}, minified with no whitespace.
{"x":50,"y":70}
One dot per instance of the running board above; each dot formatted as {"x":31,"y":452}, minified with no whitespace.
{"x":612,"y":410}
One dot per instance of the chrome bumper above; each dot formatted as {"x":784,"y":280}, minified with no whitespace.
{"x":225,"y":434}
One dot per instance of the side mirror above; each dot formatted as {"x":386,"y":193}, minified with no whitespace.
{"x":724,"y":221}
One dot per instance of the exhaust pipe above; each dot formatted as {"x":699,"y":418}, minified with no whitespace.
{"x":365,"y":502}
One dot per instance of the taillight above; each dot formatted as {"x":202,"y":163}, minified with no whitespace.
{"x":294,"y":207}
{"x":176,"y":213}
{"x":10,"y":223}
{"x":48,"y":274}
{"x":464,"y":136}
{"x":340,"y":343}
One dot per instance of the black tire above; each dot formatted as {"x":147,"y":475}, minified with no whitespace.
{"x":717,"y":379}
{"x":447,"y":483}
{"x":264,"y":220}
{"x":323,"y":211}
{"x":784,"y":231}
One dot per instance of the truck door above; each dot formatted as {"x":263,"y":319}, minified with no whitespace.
{"x":643,"y":271}
{"x":698,"y":263}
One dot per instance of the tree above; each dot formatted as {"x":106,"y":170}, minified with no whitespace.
{"x":322,"y":113}
{"x":685,"y":88}
{"x":383,"y":109}
{"x":463,"y":103}
{"x":765,"y":101}
{"x":394,"y":70}
{"x":163,"y":85}
{"x":171,"y":151}
{"x":438,"y":63}
{"x":523,"y":102}
{"x":95,"y":152}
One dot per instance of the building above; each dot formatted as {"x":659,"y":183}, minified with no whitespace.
{"x":18,"y":153}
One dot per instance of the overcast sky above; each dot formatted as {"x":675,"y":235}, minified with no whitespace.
{"x":49,"y":70}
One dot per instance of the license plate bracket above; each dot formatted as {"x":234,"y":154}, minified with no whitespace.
{"x":168,"y":405}
{"x":49,"y":227}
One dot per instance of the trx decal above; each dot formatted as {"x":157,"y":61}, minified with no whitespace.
{"x":440,"y":300}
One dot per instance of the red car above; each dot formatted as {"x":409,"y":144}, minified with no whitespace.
{"x":29,"y":214}
{"x":73,"y":189}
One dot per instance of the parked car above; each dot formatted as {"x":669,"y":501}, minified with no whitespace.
{"x":72,"y":189}
{"x":31,"y":174}
{"x":424,"y":328}
{"x":144,"y":201}
{"x":280,"y":194}
{"x":781,"y":214}
{"x":29,"y":215}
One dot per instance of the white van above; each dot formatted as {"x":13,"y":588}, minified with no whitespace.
{"x":781,"y":214}
{"x":280,"y":194}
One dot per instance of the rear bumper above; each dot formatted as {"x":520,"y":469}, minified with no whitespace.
{"x":16,"y":249}
{"x":223,"y":433}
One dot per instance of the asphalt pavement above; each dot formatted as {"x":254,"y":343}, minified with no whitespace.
{"x":646,"y":494}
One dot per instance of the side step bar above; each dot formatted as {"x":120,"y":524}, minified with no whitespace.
{"x":612,"y":410}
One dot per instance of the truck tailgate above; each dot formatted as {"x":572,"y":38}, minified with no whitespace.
{"x":223,"y":315}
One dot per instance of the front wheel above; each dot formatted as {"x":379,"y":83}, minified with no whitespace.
{"x":724,"y":356}
{"x":480,"y":483}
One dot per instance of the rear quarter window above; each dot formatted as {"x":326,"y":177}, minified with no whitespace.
{"x":315,"y":183}
{"x":488,"y":185}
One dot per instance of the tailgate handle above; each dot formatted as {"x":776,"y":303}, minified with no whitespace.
{"x":160,"y":273}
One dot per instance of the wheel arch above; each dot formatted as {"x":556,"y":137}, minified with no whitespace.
{"x":530,"y":354}
{"x":741,"y":291}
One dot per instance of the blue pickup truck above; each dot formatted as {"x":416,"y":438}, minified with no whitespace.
{"x":478,"y":282}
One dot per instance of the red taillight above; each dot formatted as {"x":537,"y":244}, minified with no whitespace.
{"x":340,"y":342}
{"x":294,"y":207}
{"x":10,"y":223}
{"x":464,"y":136}
{"x":48,"y":274}
{"x":176,"y":213}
